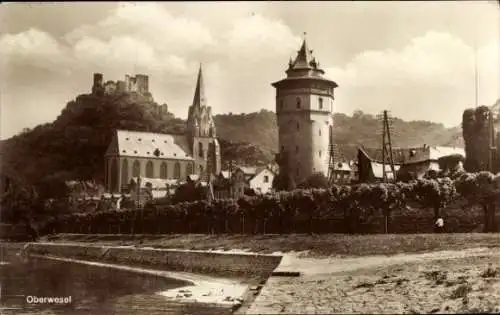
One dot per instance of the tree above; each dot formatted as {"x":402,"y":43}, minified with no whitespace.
{"x":316,"y":180}
{"x":189,"y":192}
{"x":483,"y":189}
{"x":283,"y":181}
{"x":476,"y":134}
{"x":434,"y":193}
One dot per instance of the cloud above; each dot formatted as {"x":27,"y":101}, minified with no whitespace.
{"x":432,"y":77}
{"x":153,"y":24}
{"x":32,"y":47}
{"x":245,"y":47}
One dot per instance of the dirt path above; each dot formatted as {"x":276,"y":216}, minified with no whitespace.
{"x":313,"y":266}
{"x":443,"y":282}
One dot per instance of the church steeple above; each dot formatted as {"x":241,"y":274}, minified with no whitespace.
{"x":199,"y":99}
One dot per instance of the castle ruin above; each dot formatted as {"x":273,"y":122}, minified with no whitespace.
{"x":132,"y":84}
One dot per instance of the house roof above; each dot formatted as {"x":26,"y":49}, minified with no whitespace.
{"x":225,"y":174}
{"x":248,"y":170}
{"x":342,"y":166}
{"x":438,"y":152}
{"x":151,"y":145}
{"x":413,"y":155}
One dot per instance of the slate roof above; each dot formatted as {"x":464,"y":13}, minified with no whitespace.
{"x":144,"y":145}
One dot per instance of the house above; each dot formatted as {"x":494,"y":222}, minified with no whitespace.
{"x":258,"y":179}
{"x":408,"y":162}
{"x":343,"y":172}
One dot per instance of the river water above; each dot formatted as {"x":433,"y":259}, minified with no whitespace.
{"x":83,"y":289}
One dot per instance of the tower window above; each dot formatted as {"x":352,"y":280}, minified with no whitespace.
{"x":200,"y":149}
{"x":319,"y":132}
{"x":282,"y":148}
{"x":319,"y":153}
{"x":281,"y":104}
{"x":298,"y":102}
{"x":298,"y":126}
{"x":320,"y":103}
{"x":297,"y":171}
{"x":296,"y":149}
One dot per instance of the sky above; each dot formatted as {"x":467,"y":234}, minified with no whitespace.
{"x":415,"y":59}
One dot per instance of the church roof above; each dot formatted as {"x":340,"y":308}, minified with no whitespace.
{"x":150,"y":145}
{"x":199,"y":99}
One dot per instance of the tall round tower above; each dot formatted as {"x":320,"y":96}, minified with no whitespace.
{"x":304,"y":109}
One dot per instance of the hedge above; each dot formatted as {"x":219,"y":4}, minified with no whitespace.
{"x":409,"y":207}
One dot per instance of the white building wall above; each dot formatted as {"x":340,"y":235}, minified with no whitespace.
{"x":259,"y":183}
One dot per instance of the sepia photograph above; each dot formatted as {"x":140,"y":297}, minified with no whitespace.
{"x":249,"y":157}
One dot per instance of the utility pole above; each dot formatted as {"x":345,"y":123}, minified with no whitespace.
{"x":331,"y":158}
{"x":231,"y":193}
{"x":492,"y":142}
{"x":476,"y":76}
{"x":387,"y":148}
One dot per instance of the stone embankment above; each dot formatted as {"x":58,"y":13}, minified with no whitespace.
{"x":231,"y":265}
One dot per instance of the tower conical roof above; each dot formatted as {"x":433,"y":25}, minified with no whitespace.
{"x":199,"y":99}
{"x":304,"y":57}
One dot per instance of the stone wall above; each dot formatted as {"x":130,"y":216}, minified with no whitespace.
{"x":201,"y":262}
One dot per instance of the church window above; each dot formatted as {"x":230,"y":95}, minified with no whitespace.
{"x":200,"y":149}
{"x":177,"y":170}
{"x":136,"y":169}
{"x":114,"y":175}
{"x":163,"y":171}
{"x":124,"y":172}
{"x":298,"y":102}
{"x":320,"y":103}
{"x":201,"y":170}
{"x":149,"y":170}
{"x":189,"y":169}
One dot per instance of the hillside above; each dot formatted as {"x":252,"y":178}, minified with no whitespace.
{"x":260,"y":129}
{"x":73,"y":146}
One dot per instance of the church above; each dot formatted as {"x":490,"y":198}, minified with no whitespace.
{"x":133,"y":154}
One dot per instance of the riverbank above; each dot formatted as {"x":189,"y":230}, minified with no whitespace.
{"x":220,"y":279}
{"x":318,"y":246}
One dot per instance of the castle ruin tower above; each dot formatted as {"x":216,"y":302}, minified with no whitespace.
{"x":98,"y":84}
{"x":201,"y":133}
{"x":304,"y":109}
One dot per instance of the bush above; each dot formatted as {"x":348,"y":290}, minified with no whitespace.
{"x":360,"y":208}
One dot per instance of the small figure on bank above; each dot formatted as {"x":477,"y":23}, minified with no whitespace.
{"x":440,"y":225}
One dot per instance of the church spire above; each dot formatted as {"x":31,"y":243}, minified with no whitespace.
{"x":199,"y":99}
